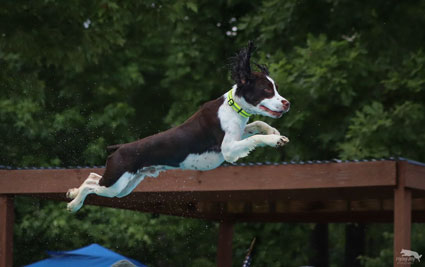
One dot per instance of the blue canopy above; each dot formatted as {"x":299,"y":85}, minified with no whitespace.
{"x":93,"y":255}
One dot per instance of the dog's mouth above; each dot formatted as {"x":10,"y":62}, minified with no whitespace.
{"x":276,"y":114}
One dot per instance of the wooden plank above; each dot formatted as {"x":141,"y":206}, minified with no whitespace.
{"x":402,"y":215}
{"x":236,"y":206}
{"x":298,"y":200}
{"x":315,"y":217}
{"x":224,"y":246}
{"x":261,"y":207}
{"x":271,"y":177}
{"x":240,"y":196}
{"x":418,"y":204}
{"x":43,"y":180}
{"x":292,"y":206}
{"x":309,"y":211}
{"x":6,"y":230}
{"x":366,"y":204}
{"x":237,"y":178}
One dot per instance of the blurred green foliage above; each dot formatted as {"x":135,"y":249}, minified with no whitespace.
{"x":76,"y":76}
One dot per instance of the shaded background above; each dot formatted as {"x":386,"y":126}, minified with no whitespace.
{"x":76,"y":76}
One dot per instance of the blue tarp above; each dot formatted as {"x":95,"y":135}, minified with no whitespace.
{"x":93,"y":255}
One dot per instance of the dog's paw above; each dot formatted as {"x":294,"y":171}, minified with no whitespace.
{"x":274,"y":140}
{"x":72,"y":193}
{"x":74,"y":206}
{"x":283,"y":140}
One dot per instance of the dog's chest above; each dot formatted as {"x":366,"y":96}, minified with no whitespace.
{"x":204,"y":161}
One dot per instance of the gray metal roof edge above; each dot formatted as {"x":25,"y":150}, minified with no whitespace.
{"x":414,"y":162}
{"x":300,"y":162}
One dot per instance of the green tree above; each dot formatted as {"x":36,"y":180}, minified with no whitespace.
{"x":77,"y":76}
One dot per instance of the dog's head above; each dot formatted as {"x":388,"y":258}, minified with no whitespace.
{"x":256,"y":92}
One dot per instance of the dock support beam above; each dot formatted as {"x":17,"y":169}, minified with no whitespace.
{"x":402,"y":215}
{"x":224,"y":246}
{"x":6,"y":230}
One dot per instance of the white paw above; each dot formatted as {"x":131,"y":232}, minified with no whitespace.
{"x":72,"y":193}
{"x":282,"y":141}
{"x":74,"y":206}
{"x":275,"y":140}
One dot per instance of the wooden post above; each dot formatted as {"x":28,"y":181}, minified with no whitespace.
{"x":354,"y":244}
{"x":6,"y":231}
{"x":319,"y":245}
{"x":224,"y":246}
{"x":402,"y":215}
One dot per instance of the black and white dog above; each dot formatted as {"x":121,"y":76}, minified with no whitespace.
{"x":217,"y":132}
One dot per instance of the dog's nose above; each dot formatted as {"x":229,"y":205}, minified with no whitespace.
{"x":286,"y":104}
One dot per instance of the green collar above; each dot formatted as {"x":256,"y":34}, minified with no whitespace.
{"x":235,"y":106}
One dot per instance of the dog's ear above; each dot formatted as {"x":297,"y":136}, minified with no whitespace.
{"x":241,"y":66}
{"x":262,"y":68}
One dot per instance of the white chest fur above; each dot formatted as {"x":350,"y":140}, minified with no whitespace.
{"x":203,"y":162}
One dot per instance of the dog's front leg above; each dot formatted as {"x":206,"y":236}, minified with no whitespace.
{"x":233,"y":149}
{"x":257,"y":127}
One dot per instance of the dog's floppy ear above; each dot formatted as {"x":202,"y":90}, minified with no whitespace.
{"x":241,"y":67}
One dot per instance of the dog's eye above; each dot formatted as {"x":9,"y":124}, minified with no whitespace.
{"x":268,"y":90}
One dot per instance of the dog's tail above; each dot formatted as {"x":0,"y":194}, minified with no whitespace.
{"x":112,"y":149}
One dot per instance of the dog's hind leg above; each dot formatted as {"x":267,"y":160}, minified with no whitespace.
{"x":131,"y":185}
{"x":138,"y":178}
{"x":91,"y":186}
{"x":115,"y":189}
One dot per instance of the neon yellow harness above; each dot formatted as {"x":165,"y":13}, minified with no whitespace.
{"x":235,"y":106}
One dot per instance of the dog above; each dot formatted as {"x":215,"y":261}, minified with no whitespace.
{"x":217,"y":132}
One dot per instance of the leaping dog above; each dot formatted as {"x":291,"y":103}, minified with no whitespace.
{"x":217,"y":132}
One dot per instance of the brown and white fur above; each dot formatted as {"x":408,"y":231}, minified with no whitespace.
{"x":214,"y":134}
